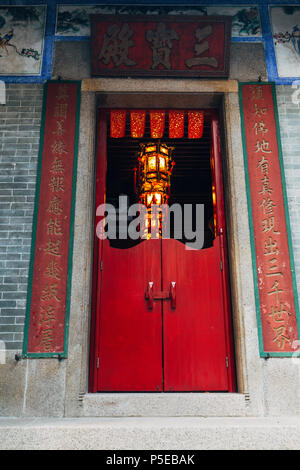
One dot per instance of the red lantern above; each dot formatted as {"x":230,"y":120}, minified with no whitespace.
{"x":155,"y":166}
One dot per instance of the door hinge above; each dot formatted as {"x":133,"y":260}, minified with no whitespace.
{"x":227,"y":362}
{"x":101,"y":265}
{"x":221,"y":265}
{"x":97,"y":362}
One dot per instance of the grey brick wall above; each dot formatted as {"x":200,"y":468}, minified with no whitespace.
{"x":289,"y":118}
{"x":20,"y":122}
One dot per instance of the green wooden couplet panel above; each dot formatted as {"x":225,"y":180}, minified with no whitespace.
{"x":273,"y":266}
{"x":48,"y":301}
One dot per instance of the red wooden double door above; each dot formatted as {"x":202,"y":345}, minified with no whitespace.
{"x":182,"y":342}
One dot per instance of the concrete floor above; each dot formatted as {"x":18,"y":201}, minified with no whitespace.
{"x":149,"y":433}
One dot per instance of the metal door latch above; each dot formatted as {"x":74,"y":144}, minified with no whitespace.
{"x":150,"y":295}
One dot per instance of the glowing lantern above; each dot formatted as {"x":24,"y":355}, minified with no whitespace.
{"x":155,"y":166}
{"x":214,"y":196}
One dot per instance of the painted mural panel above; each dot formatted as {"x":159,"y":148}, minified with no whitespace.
{"x":285,"y":22}
{"x":21,"y":39}
{"x":73,"y":20}
{"x":245,"y":20}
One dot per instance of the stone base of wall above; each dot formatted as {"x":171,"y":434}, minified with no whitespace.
{"x":150,"y":433}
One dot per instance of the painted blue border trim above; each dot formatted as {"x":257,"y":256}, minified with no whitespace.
{"x":87,"y":38}
{"x":72,"y":38}
{"x":268,"y":43}
{"x":171,"y":2}
{"x":149,"y":2}
{"x":247,"y":39}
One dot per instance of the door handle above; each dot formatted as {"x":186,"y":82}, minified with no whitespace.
{"x":173,"y":294}
{"x":149,"y":295}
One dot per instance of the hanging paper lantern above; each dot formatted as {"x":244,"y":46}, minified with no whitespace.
{"x":137,"y":123}
{"x":176,"y":124}
{"x":195,"y":124}
{"x":157,"y":124}
{"x":214,"y":196}
{"x":117,"y":123}
{"x":155,"y":166}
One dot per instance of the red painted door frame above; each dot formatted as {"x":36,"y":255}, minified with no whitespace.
{"x":221,"y":245}
{"x":222,"y":233}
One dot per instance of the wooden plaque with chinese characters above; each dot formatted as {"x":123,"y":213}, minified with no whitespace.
{"x":276,"y":293}
{"x":46,"y":328}
{"x":179,"y":46}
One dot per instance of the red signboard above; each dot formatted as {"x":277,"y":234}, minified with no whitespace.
{"x":277,"y":303}
{"x":51,"y":251}
{"x":160,"y":46}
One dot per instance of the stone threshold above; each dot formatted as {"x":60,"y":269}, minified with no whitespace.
{"x":164,"y":404}
{"x":150,"y":433}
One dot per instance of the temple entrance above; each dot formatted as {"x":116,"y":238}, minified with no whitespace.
{"x":161,"y":308}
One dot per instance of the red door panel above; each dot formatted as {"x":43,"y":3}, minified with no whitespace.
{"x":130,"y":343}
{"x":162,"y":349}
{"x":194,"y":332}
